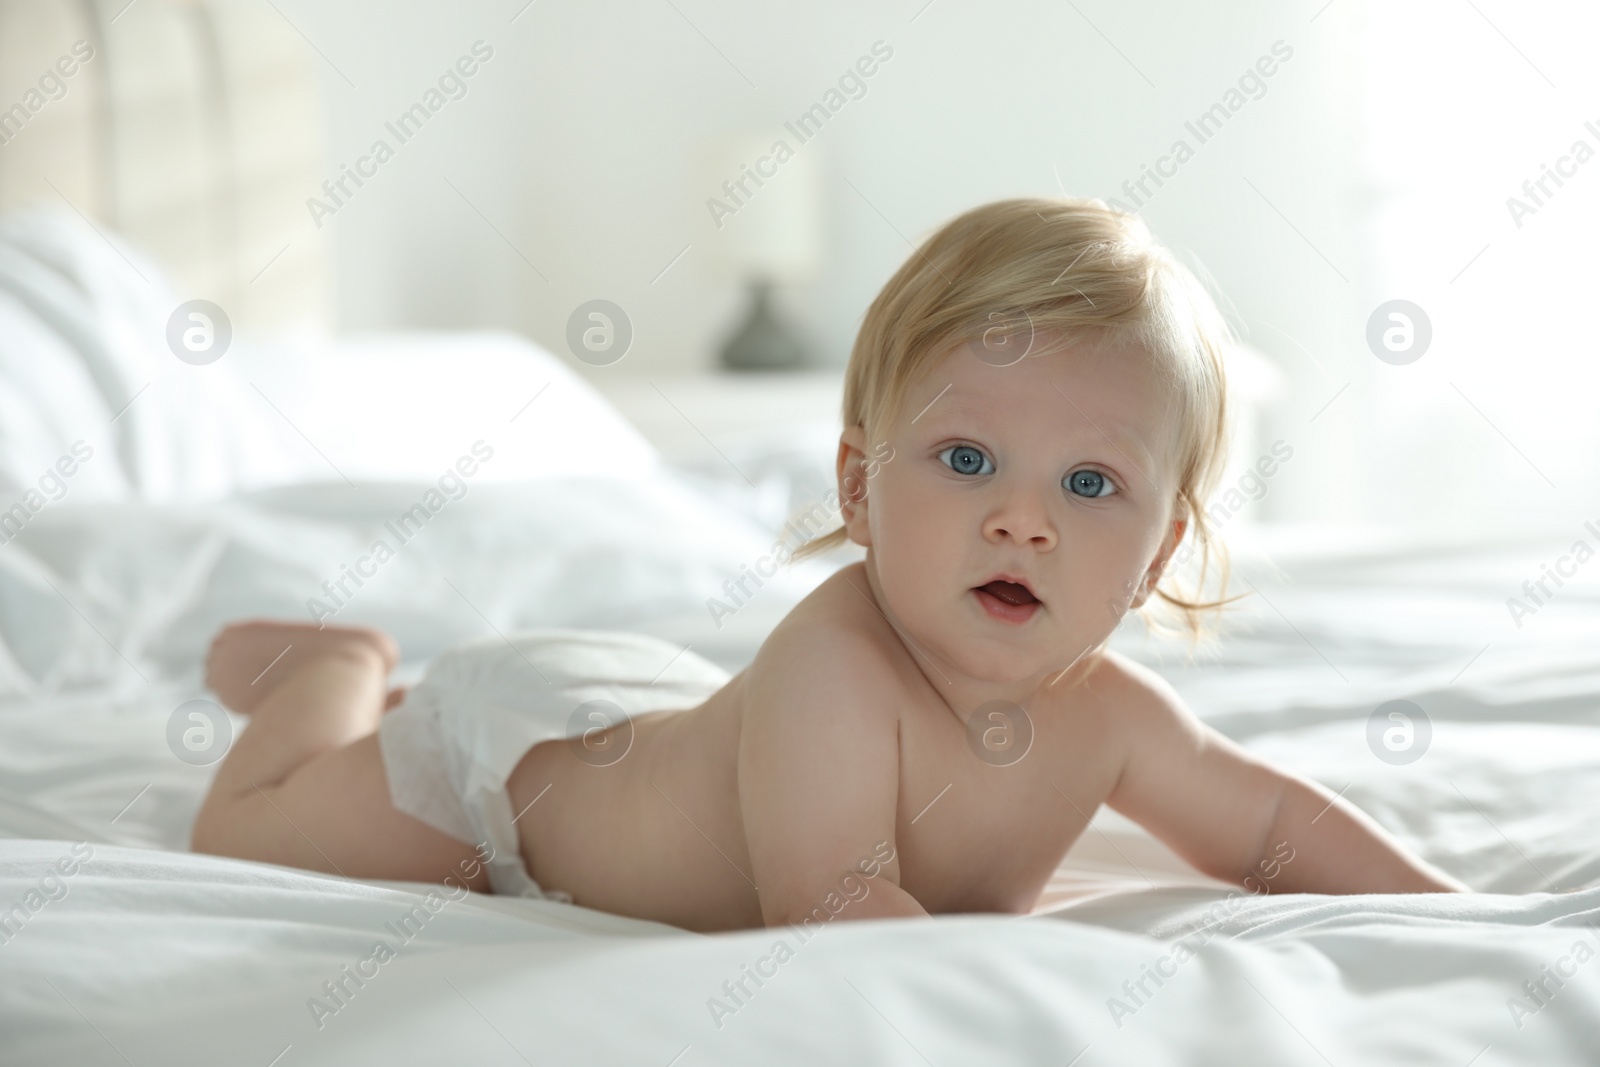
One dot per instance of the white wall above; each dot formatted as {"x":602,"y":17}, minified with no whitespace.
{"x":1380,"y":157}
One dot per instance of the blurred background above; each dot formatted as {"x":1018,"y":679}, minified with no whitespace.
{"x":585,"y":158}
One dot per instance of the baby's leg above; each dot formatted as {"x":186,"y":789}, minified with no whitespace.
{"x":304,"y":784}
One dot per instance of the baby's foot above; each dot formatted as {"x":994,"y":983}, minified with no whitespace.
{"x":248,"y":659}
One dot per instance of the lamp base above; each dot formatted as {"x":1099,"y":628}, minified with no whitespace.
{"x":762,"y":341}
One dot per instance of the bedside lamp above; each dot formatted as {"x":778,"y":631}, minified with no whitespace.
{"x":768,"y":209}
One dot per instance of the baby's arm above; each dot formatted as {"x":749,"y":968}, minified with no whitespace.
{"x":819,"y":778}
{"x":1236,"y":817}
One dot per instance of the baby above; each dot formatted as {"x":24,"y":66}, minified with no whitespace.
{"x":1034,"y":416}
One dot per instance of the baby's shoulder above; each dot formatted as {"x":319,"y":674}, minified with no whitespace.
{"x":1136,"y":697}
{"x":834,"y":640}
{"x":1117,"y":674}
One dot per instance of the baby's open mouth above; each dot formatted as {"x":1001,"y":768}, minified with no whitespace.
{"x":1010,"y":593}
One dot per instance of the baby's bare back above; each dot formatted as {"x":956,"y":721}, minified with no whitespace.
{"x":880,"y":767}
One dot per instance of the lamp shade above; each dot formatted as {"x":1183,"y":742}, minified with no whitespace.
{"x":765,"y":204}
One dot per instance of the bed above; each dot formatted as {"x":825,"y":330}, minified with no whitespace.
{"x":117,"y":945}
{"x":198,"y":495}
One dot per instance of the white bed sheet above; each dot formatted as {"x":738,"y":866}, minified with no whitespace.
{"x":177,"y":958}
{"x":155,"y":957}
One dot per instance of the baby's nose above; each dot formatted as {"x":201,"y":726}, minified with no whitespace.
{"x":1022,"y":518}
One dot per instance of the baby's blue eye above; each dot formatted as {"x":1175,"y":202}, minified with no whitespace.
{"x":1088,"y":483}
{"x":964,"y":459}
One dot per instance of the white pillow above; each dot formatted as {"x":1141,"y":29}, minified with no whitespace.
{"x":406,"y":407}
{"x":49,"y":404}
{"x":52,"y":394}
{"x":84,"y":355}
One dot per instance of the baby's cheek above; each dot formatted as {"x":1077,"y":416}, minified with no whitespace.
{"x":929,"y":512}
{"x":923,"y":545}
{"x":913,"y":568}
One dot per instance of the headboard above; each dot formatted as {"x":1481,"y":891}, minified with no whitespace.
{"x":192,"y":129}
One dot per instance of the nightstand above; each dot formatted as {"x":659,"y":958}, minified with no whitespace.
{"x":678,"y":412}
{"x":765,"y":441}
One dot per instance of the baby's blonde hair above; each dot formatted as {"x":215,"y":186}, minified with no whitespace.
{"x":1076,"y":270}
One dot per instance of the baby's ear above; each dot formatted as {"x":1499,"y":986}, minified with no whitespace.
{"x":852,"y":475}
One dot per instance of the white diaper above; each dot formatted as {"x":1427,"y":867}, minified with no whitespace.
{"x":449,"y":748}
